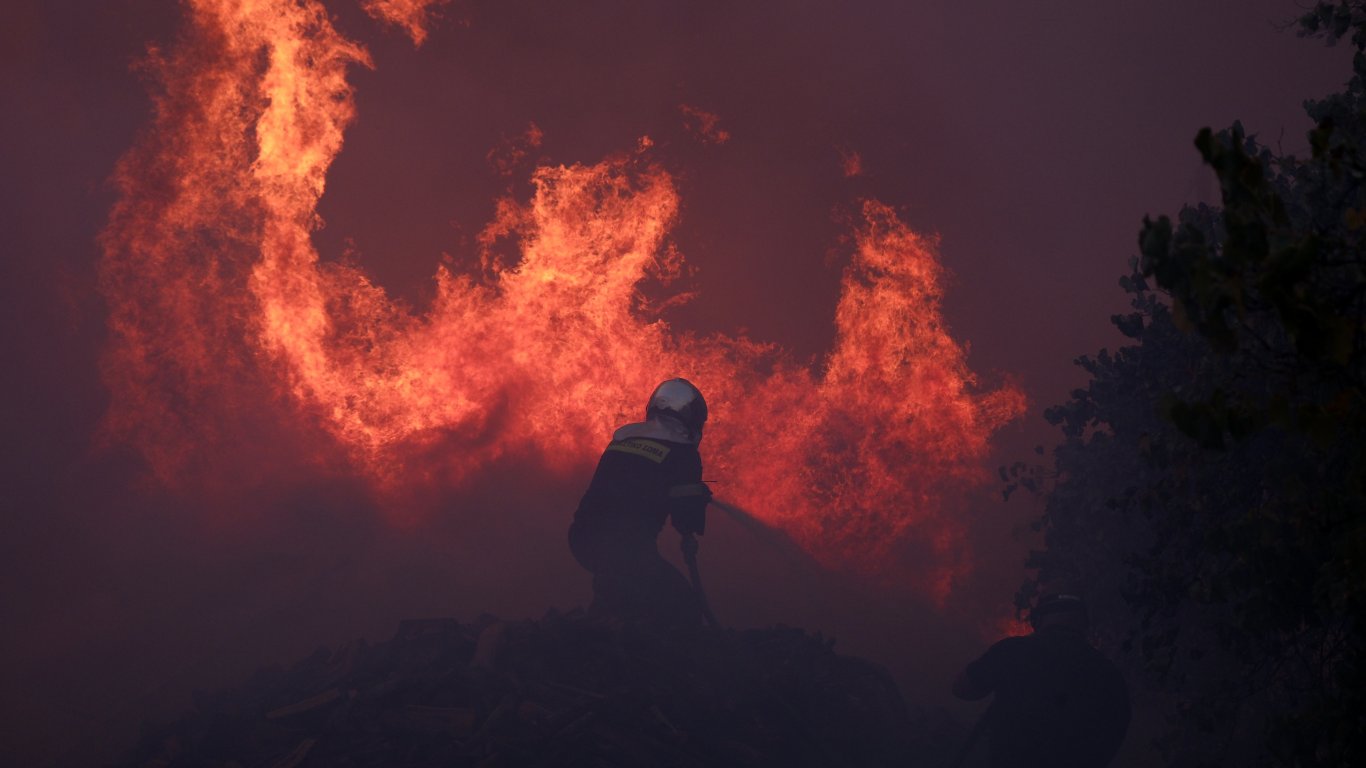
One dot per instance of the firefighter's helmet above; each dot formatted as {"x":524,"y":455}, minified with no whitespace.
{"x":681,"y":400}
{"x":1054,"y":601}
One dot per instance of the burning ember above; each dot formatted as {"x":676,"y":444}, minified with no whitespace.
{"x":226,"y":324}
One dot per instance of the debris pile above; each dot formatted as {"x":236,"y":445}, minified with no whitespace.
{"x":567,"y":690}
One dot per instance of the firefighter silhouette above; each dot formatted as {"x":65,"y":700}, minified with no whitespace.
{"x":650,"y":472}
{"x":1058,"y":702}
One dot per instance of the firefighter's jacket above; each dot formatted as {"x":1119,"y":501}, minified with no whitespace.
{"x":650,"y":472}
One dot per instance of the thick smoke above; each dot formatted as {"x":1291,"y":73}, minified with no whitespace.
{"x":127,"y":589}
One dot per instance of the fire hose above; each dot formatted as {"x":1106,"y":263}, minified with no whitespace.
{"x":689,"y":546}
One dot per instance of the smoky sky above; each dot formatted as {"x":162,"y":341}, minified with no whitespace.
{"x":1031,"y":138}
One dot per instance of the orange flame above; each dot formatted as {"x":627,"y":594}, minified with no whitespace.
{"x":414,"y":16}
{"x":703,"y":124}
{"x":1010,"y":625}
{"x":220,"y":307}
{"x":851,"y":162}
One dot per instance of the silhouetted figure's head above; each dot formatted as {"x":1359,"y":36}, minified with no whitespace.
{"x":679,"y":400}
{"x":1062,"y":607}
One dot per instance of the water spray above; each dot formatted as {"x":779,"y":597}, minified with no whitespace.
{"x":775,"y":538}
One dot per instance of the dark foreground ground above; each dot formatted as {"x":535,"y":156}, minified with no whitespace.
{"x":567,"y":690}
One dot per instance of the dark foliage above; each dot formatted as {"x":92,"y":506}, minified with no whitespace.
{"x":1211,"y":484}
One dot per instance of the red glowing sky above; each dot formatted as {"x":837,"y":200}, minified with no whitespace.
{"x":1031,"y":138}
